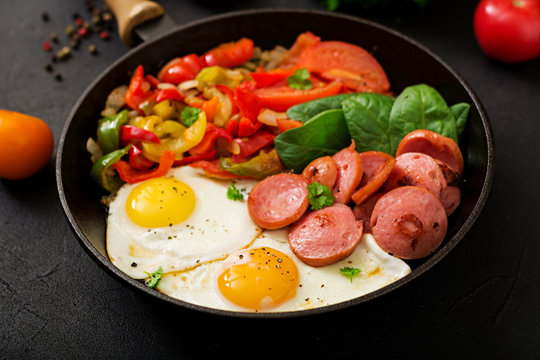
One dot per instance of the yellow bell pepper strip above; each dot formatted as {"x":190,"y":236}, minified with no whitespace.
{"x":108,"y":133}
{"x":258,"y":167}
{"x":165,"y":109}
{"x":132,"y":175}
{"x":214,"y":75}
{"x":175,"y":137}
{"x":100,"y":173}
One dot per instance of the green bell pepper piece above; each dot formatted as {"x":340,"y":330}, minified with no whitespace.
{"x":108,"y":134}
{"x":258,"y":167}
{"x":99,"y":171}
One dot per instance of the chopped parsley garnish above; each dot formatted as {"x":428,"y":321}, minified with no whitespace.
{"x":300,"y":80}
{"x":189,"y":115}
{"x":319,"y":196}
{"x":233,"y":193}
{"x":155,"y":277}
{"x":350,"y":272}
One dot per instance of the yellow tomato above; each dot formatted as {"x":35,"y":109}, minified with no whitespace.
{"x":26,"y":145}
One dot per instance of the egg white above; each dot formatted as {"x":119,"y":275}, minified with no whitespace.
{"x":318,"y":286}
{"x":217,"y":227}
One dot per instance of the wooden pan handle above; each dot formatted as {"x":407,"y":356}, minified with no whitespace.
{"x":130,"y":13}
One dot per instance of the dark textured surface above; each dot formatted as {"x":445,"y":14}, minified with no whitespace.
{"x":482,"y":300}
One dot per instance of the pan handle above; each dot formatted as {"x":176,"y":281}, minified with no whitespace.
{"x":130,"y":13}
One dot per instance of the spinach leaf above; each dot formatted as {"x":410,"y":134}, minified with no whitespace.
{"x":461,"y":113}
{"x":367,"y":116}
{"x":325,"y":134}
{"x":420,"y":107}
{"x":307,"y":110}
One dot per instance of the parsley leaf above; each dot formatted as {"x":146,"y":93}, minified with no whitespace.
{"x":319,"y":196}
{"x":155,"y":277}
{"x":233,"y":193}
{"x":349,"y":272}
{"x":189,"y":115}
{"x":300,"y":80}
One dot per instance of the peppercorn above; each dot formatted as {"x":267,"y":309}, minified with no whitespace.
{"x":74,"y":43}
{"x":64,"y":53}
{"x":75,"y":15}
{"x":54,"y":38}
{"x":58,"y":77}
{"x":78,"y":21}
{"x":70,"y":30}
{"x":106,"y":16}
{"x":92,"y":49}
{"x":105,"y":35}
{"x":96,"y":20}
{"x":45,"y":16}
{"x":46,"y":45}
{"x":48,"y":67}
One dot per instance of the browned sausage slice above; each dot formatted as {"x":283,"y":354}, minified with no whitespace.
{"x":450,"y":198}
{"x":350,"y":170}
{"x":434,"y":145}
{"x":409,"y":222}
{"x":325,"y":236}
{"x":417,"y":169}
{"x":377,"y":169}
{"x":323,"y":170}
{"x":364,"y":210}
{"x":278,"y":200}
{"x":451,"y":176}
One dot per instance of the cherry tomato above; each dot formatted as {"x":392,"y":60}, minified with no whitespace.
{"x":26,"y":145}
{"x":508,"y":30}
{"x":351,"y":64}
{"x":230,"y":54}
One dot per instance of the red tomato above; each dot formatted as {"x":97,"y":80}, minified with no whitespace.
{"x":230,"y":54}
{"x":283,"y":97}
{"x":508,"y":30}
{"x":181,"y":69}
{"x":26,"y":144}
{"x":348,"y":63}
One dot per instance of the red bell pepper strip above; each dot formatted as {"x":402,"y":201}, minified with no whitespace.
{"x":248,"y":104}
{"x":132,"y":175}
{"x":212,"y":169}
{"x":169,"y":94}
{"x":209,"y":140}
{"x":181,"y":69}
{"x":137,"y":159}
{"x":252,"y":144}
{"x":152,"y":80}
{"x":264,"y":79}
{"x":230,"y":54}
{"x":287,"y":124}
{"x":139,"y":89}
{"x":211,"y":155}
{"x":232,"y":127}
{"x":246,"y":127}
{"x":129,"y":133}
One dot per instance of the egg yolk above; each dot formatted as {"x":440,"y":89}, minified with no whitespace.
{"x":160,"y":202}
{"x":258,"y":278}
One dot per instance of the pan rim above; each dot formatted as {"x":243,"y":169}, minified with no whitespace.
{"x":428,"y":264}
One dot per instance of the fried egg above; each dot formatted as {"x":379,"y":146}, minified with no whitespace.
{"x":250,"y":281}
{"x":178,"y":222}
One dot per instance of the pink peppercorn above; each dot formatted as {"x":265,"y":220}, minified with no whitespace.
{"x":46,"y":45}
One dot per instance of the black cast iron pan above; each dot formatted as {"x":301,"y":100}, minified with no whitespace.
{"x":405,"y":61}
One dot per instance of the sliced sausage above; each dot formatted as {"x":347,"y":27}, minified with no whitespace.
{"x":323,"y":170}
{"x":409,"y":222}
{"x":377,"y":168}
{"x":350,"y":170}
{"x":325,"y":236}
{"x":451,"y":176}
{"x":450,"y":198}
{"x":278,"y":200}
{"x":363,"y":211}
{"x":417,"y":169}
{"x":434,"y":145}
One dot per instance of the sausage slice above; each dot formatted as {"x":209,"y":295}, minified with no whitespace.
{"x":377,"y":169}
{"x":417,"y":169}
{"x":325,"y":236}
{"x":323,"y":170}
{"x":278,"y":200}
{"x":433,"y":144}
{"x":364,"y":210}
{"x":350,"y":171}
{"x":409,"y":222}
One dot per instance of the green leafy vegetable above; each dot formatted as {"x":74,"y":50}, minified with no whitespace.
{"x":304,"y":112}
{"x":233,"y":193}
{"x":350,"y":272}
{"x":319,"y":196}
{"x":420,"y":107}
{"x":461,"y":114}
{"x":189,"y":115}
{"x":323,"y":135}
{"x":368,"y":120}
{"x":154,"y":278}
{"x":300,"y":80}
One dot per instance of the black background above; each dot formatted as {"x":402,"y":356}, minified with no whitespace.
{"x":482,"y":300}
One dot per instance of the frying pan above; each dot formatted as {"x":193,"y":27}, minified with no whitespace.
{"x":405,"y":61}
